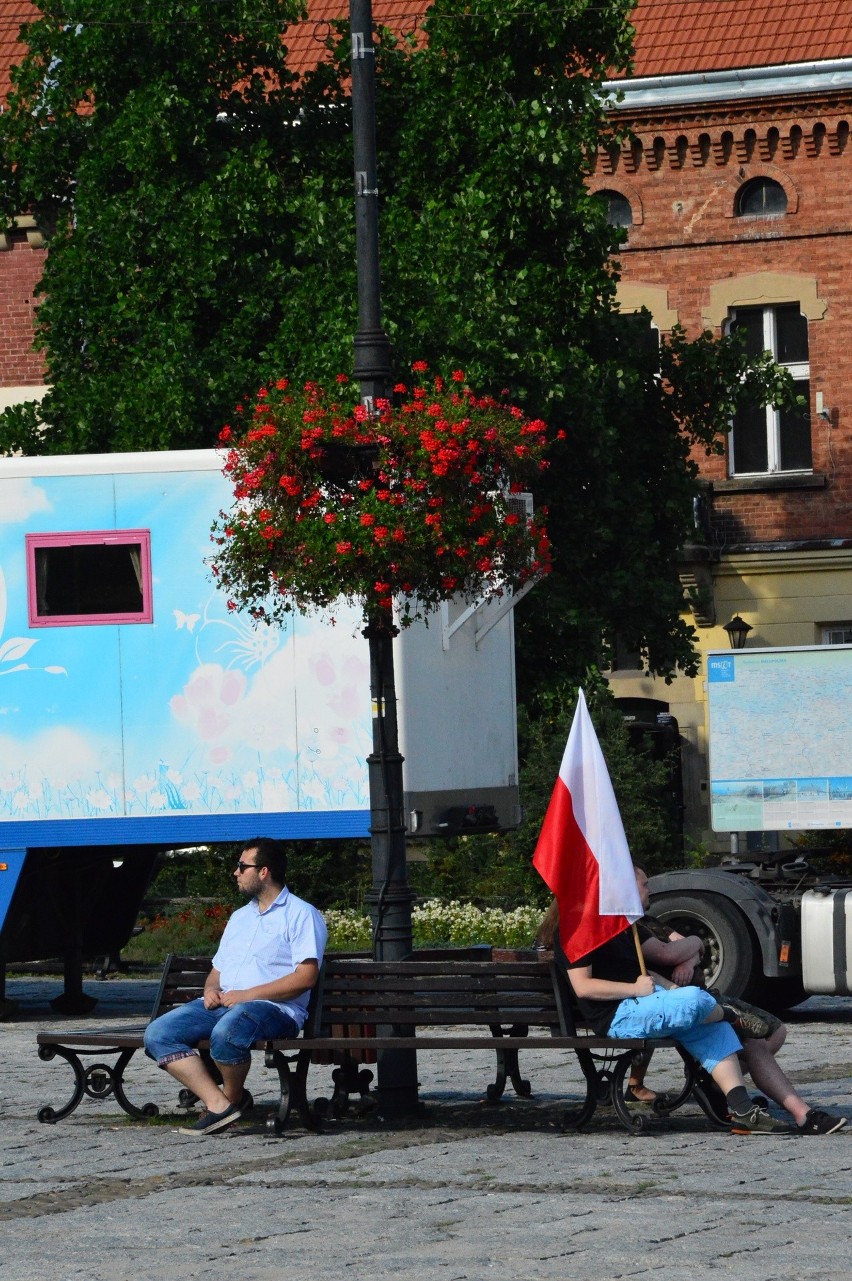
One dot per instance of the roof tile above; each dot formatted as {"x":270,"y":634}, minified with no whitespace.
{"x":719,"y":35}
{"x":672,"y":36}
{"x":13,"y":14}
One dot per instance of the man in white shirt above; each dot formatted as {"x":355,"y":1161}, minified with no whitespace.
{"x":266,"y":964}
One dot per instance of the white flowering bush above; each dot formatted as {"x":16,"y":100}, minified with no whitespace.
{"x":348,"y":930}
{"x":439,"y":924}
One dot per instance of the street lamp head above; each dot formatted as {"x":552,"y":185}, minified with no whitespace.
{"x":737,"y":629}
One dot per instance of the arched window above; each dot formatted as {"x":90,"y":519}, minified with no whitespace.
{"x":761,"y":198}
{"x":618,"y":210}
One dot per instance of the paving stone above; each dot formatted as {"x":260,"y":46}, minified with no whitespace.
{"x":471,"y":1193}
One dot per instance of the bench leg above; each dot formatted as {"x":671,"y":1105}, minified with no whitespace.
{"x":98,"y":1081}
{"x":508,"y":1065}
{"x":668,"y":1103}
{"x":574,"y":1118}
{"x":694,"y":1085}
{"x":293,"y":1090}
{"x":349,"y":1078}
{"x":633,"y":1119}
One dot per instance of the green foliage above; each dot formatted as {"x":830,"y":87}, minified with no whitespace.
{"x":620,"y":502}
{"x":330,"y":874}
{"x":830,"y":848}
{"x":202,"y":243}
{"x":326,"y":873}
{"x":165,"y":201}
{"x":435,"y":924}
{"x":194,"y":931}
{"x":203,"y":872}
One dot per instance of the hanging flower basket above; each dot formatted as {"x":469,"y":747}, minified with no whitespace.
{"x":341,"y":464}
{"x":412,"y":504}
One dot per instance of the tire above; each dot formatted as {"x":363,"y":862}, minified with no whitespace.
{"x":729,"y":952}
{"x":779,"y":995}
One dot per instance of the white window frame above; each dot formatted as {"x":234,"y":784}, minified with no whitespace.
{"x":801,"y":372}
{"x":836,"y":633}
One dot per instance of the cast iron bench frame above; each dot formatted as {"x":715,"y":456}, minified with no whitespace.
{"x":361,"y":1008}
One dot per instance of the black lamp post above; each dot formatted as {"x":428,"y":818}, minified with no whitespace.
{"x":390,"y":898}
{"x":737,"y":629}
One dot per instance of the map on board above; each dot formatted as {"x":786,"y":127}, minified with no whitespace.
{"x":780,"y":738}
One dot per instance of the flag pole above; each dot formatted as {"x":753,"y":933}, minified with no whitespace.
{"x":638,"y":948}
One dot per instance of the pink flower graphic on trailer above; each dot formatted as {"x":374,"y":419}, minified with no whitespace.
{"x":341,"y":692}
{"x":208,"y":703}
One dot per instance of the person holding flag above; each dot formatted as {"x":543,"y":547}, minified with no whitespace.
{"x":583,"y":857}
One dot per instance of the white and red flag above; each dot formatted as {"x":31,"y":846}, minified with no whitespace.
{"x":582,"y":852}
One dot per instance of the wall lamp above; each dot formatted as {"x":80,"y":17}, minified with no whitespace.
{"x":737,"y":630}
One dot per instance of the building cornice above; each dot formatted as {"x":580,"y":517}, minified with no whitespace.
{"x":651,"y":93}
{"x":27,"y":224}
{"x":777,"y":559}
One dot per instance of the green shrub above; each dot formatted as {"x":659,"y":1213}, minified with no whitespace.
{"x":458,"y":924}
{"x":333,"y":873}
{"x":194,"y":931}
{"x":348,"y":930}
{"x":197,"y":930}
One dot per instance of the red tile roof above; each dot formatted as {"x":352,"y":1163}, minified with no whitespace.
{"x":672,"y":36}
{"x":677,"y":36}
{"x":13,"y":14}
{"x":305,"y":42}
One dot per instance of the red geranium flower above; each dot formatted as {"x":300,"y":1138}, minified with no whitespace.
{"x":309,"y":468}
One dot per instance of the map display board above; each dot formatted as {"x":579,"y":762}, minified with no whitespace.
{"x":780,"y":738}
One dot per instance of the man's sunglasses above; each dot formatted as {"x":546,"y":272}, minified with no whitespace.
{"x":242,"y":867}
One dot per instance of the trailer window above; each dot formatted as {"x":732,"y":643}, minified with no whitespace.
{"x":84,"y":579}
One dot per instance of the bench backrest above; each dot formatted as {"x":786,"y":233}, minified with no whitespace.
{"x":412,"y":993}
{"x":182,"y":980}
{"x":356,"y":991}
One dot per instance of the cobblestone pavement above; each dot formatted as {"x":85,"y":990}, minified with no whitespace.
{"x":469,"y":1192}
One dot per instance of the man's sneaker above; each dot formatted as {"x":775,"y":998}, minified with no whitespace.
{"x":744,"y":1019}
{"x":246,"y":1103}
{"x":210,"y":1122}
{"x":756,"y":1121}
{"x":817,"y":1122}
{"x":738,"y":1006}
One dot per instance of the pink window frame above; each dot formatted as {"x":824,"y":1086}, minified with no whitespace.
{"x":79,"y":538}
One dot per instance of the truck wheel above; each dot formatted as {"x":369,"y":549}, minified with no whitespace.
{"x":779,"y":995}
{"x":728,"y":961}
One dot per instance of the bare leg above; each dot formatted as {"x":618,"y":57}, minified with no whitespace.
{"x":727,"y":1073}
{"x":767,"y":1075}
{"x":233,"y":1079}
{"x":636,"y":1083}
{"x":192,"y":1073}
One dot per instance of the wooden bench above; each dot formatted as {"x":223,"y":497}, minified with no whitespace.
{"x":362,"y":1008}
{"x":182,"y":980}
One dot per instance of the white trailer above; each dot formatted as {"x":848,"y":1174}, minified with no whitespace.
{"x":138,"y":712}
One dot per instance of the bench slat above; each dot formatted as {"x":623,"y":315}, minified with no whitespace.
{"x":486,"y":984}
{"x":333,"y":998}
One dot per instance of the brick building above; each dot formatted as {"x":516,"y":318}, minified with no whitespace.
{"x":21,"y":256}
{"x":734,"y":191}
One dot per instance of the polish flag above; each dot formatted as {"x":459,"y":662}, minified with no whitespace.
{"x":582,"y":852}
